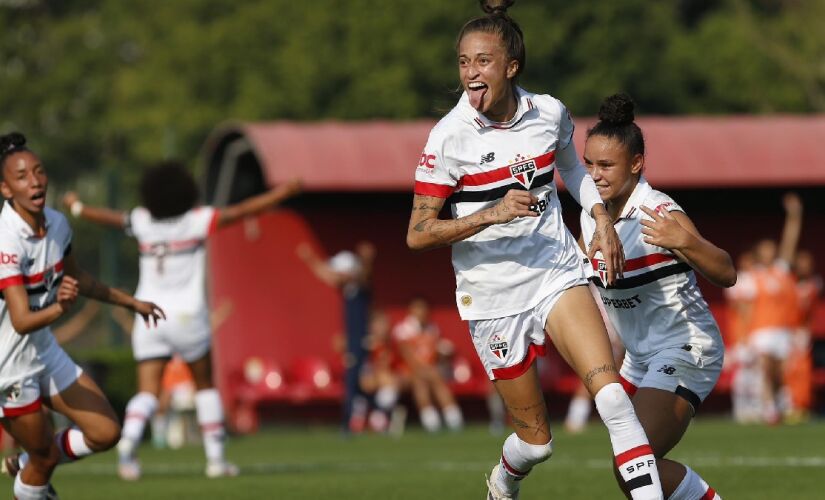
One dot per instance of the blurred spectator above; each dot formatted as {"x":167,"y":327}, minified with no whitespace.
{"x":417,"y":340}
{"x":351,"y":273}
{"x":799,"y":369}
{"x":378,"y":376}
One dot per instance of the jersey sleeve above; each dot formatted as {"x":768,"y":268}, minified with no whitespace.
{"x":659,"y":201}
{"x":566,"y":127}
{"x":204,"y":221}
{"x":136,"y":222}
{"x":11,"y":256}
{"x":433,"y":177}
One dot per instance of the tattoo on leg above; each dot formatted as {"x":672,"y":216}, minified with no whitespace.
{"x":605,"y":368}
{"x":540,"y":426}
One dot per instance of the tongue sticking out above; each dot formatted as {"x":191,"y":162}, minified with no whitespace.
{"x":476,"y":97}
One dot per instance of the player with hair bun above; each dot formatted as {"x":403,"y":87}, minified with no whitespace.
{"x":171,"y":231}
{"x":40,"y":281}
{"x":674,"y":347}
{"x":519,"y":276}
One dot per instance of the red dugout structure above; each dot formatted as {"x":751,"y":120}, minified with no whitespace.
{"x":277,"y":342}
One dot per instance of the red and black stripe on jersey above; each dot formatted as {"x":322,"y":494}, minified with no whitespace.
{"x":674,"y":267}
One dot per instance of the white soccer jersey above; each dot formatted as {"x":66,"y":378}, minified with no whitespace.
{"x":37,"y":264}
{"x":173,"y":258}
{"x":506,"y":268}
{"x":657,"y":303}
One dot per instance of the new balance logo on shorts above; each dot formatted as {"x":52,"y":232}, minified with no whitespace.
{"x":499,"y":346}
{"x":667,"y":370}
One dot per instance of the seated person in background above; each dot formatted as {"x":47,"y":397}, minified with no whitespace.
{"x":417,"y":339}
{"x":378,"y":377}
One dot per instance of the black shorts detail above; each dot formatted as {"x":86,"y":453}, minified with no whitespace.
{"x":639,"y":481}
{"x":689,"y":396}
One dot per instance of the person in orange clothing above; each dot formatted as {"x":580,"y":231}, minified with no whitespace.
{"x":772,"y":316}
{"x":417,"y":340}
{"x":379,"y":377}
{"x":799,"y":369}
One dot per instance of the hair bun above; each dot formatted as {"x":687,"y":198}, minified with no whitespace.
{"x":496,"y":7}
{"x":12,"y":141}
{"x":617,"y":109}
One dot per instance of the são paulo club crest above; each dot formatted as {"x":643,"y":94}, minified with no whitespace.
{"x":524,"y":172}
{"x":602,"y":271}
{"x":498,"y":346}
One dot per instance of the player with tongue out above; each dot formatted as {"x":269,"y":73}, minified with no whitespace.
{"x":519,"y":277}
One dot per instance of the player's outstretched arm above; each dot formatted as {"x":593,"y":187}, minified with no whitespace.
{"x":88,"y":286}
{"x":792,"y":227}
{"x":427,"y":231}
{"x":98,"y":215}
{"x":259,"y":203}
{"x":676,"y":232}
{"x":319,"y":267}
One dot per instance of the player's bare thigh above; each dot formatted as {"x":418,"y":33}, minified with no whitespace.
{"x":202,"y":371}
{"x":150,"y":374}
{"x":665,"y":417}
{"x":85,"y":404}
{"x":578,"y":332}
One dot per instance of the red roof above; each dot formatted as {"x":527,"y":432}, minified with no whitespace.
{"x":740,"y":151}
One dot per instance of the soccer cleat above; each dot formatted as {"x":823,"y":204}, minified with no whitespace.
{"x":221,"y":469}
{"x":129,"y":469}
{"x":11,"y":465}
{"x":493,"y":493}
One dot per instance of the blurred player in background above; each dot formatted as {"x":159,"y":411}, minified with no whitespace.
{"x":417,"y":337}
{"x":171,"y":231}
{"x":674,"y":349}
{"x":379,"y":378}
{"x":40,"y":281}
{"x":351,"y":273}
{"x":518,"y":273}
{"x":799,"y":368}
{"x":772,"y":308}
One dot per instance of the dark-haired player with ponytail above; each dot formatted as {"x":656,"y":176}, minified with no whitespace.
{"x":171,"y":231}
{"x":519,"y":276}
{"x":674,"y":348}
{"x":40,"y":281}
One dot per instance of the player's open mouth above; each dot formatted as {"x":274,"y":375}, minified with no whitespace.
{"x":476,"y":92}
{"x":39,"y":197}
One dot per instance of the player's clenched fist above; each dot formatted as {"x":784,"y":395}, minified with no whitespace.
{"x":516,"y":203}
{"x":67,"y":293}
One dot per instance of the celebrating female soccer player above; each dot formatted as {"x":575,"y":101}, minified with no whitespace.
{"x":517,"y":269}
{"x":40,"y":281}
{"x":674,"y":348}
{"x":171,"y":233}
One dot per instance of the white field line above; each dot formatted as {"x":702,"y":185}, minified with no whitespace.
{"x":193,"y":468}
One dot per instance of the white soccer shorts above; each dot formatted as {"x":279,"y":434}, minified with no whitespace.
{"x":774,"y":342}
{"x":25,"y":396}
{"x":507,"y":346}
{"x":685,"y":371}
{"x":188,"y":335}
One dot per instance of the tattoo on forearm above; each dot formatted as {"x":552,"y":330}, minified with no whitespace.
{"x":605,"y":368}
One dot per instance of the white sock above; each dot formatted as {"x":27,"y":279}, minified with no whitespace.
{"x":634,"y":457}
{"x":23,"y":491}
{"x":430,"y":419}
{"x":160,"y":424}
{"x":386,"y":397}
{"x":693,"y":487}
{"x":517,"y":460}
{"x":72,"y":445}
{"x":453,"y":417}
{"x":210,"y":417}
{"x":139,"y":409}
{"x":577,"y":413}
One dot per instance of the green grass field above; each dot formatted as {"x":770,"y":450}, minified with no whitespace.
{"x":740,"y":462}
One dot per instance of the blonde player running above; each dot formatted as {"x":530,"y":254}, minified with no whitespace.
{"x":518,"y":273}
{"x":171,"y":233}
{"x":674,"y":348}
{"x":40,"y":281}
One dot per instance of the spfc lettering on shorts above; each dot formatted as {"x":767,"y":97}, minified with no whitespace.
{"x":499,"y":346}
{"x":524,"y":172}
{"x":603,"y":271}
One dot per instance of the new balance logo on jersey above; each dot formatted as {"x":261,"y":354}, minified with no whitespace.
{"x":524,"y":172}
{"x":8,"y":258}
{"x":498,"y":346}
{"x":488,"y":158}
{"x":667,"y":370}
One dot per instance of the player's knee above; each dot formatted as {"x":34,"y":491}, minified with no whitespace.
{"x":103,"y":437}
{"x":44,"y":459}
